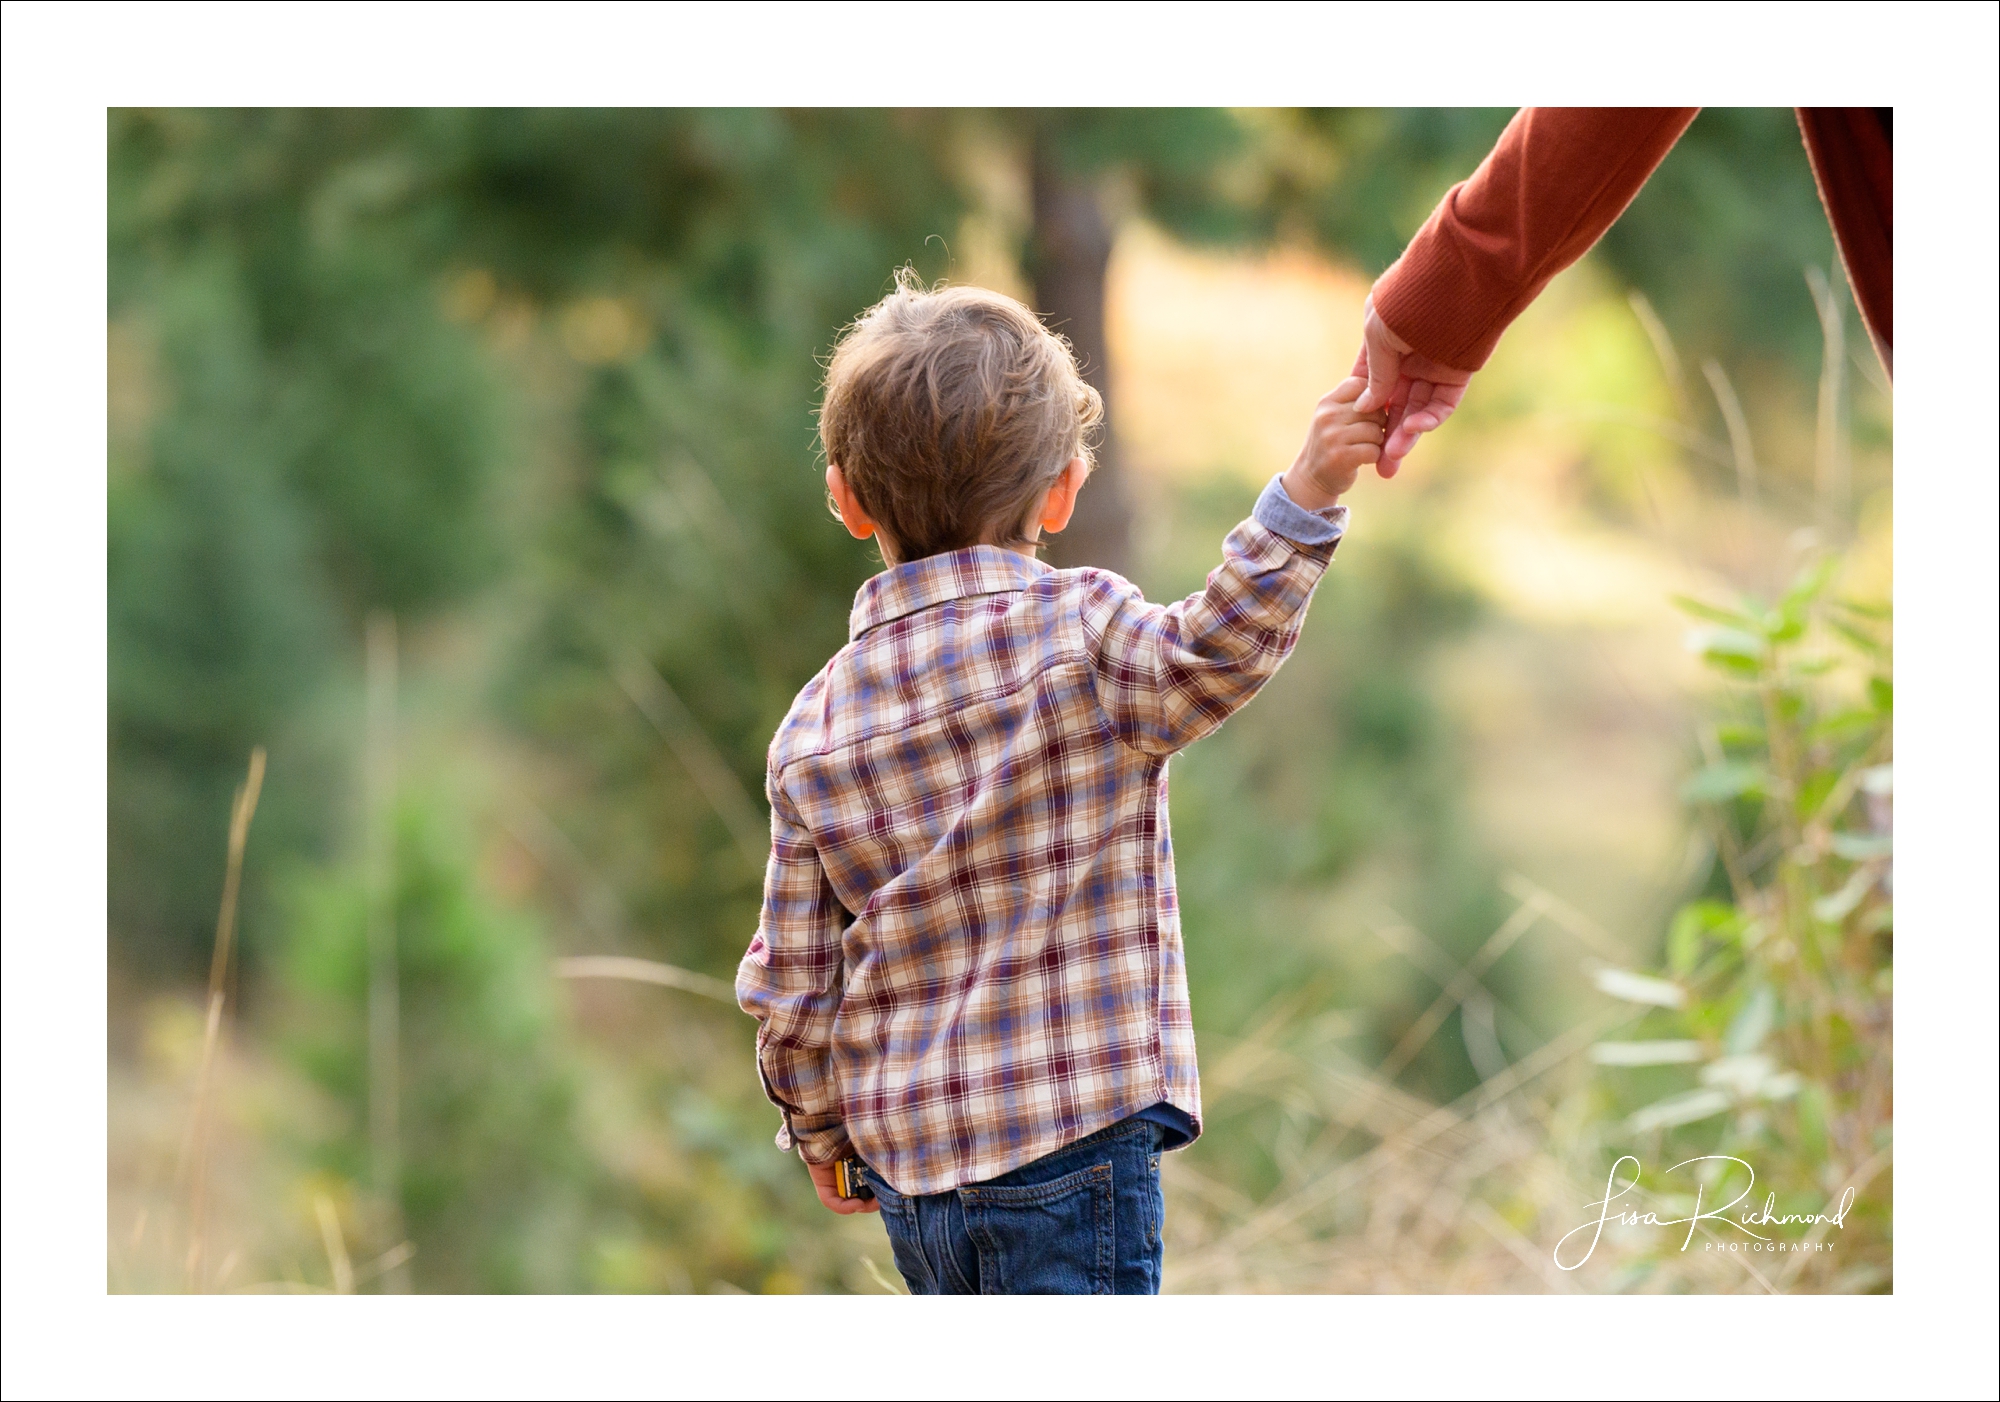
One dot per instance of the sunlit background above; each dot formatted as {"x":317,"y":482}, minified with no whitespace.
{"x":462,"y":472}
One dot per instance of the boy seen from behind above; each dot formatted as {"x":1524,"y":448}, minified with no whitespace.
{"x":968,"y":972}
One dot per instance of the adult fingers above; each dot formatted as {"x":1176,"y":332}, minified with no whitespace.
{"x":1425,"y":409}
{"x":1435,"y":400}
{"x":1399,"y":443}
{"x":1385,"y":366}
{"x":1403,"y":435}
{"x":1417,"y":414}
{"x":1392,"y":456}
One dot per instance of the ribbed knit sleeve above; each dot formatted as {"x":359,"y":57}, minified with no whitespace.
{"x":1554,"y":182}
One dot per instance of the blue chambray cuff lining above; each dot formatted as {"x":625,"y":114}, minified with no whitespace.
{"x":1277,"y":512}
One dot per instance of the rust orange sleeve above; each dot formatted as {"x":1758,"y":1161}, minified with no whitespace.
{"x":1554,"y":182}
{"x":1853,"y":164}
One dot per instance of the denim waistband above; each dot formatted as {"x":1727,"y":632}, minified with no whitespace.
{"x":1119,"y":1129}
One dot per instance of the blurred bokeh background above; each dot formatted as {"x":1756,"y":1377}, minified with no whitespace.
{"x":462,"y":466}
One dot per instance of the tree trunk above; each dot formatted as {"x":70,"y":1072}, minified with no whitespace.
{"x":1067,"y":258}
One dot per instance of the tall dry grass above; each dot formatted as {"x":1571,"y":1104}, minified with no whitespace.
{"x":182,"y":1229}
{"x":1392,"y":1192}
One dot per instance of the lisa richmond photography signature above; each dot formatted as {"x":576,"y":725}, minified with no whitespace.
{"x":1745,"y":1222}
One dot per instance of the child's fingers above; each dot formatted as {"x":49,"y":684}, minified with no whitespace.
{"x":1348,"y":390}
{"x":1352,"y":457}
{"x":846,"y":1207}
{"x":1338,"y":423}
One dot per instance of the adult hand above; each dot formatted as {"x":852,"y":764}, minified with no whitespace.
{"x":829,"y":1196}
{"x":1418,"y":392}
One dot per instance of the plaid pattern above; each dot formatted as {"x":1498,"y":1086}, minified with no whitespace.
{"x":969,"y":954}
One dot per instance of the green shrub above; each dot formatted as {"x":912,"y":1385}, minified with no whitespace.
{"x":1771,"y":1039}
{"x":494,"y":1180}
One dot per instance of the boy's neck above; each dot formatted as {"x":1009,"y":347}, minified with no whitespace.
{"x":1025,"y":549}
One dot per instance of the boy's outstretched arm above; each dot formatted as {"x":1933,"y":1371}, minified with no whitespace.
{"x":1169,"y":674}
{"x":790,"y":982}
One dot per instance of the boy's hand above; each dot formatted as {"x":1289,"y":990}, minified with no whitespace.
{"x":822,"y":1176}
{"x":1339,"y":444}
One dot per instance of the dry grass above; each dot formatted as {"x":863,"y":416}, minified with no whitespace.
{"x":194,"y":1157}
{"x":192,"y":1169}
{"x":1392,"y":1193}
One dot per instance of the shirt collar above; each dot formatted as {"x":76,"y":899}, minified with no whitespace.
{"x":955,"y":574}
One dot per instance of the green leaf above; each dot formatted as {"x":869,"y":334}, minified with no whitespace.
{"x":1782,"y":1086}
{"x":1646,"y":1053}
{"x":1692,"y":925}
{"x":1712,"y":612}
{"x":1721,"y":782}
{"x":1745,"y":1073}
{"x":1812,"y":666}
{"x":1730,"y":649}
{"x":1814,"y":790}
{"x":1807,"y":585}
{"x":1752,"y":1023}
{"x":1739,"y":737}
{"x":1861,"y":846}
{"x":1882,"y":692}
{"x":1683,"y":948}
{"x":1869,"y":644}
{"x":1811,"y":1106}
{"x":1726,"y":642}
{"x":1834,"y":908}
{"x":1638,"y":988}
{"x":1681,"y":1109}
{"x":1840,"y":723}
{"x":1784,"y":628}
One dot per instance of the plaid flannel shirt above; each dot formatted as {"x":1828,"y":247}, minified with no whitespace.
{"x":969,"y":954}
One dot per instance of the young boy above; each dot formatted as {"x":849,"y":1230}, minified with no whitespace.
{"x":968,"y":970}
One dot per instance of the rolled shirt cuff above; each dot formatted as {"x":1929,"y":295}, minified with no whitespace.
{"x":816,"y":1138}
{"x":1278,"y":513}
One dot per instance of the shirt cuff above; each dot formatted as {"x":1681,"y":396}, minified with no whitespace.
{"x":1277,"y":512}
{"x":816,"y":1138}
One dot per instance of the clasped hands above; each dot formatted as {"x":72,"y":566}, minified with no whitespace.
{"x":1417,"y":392}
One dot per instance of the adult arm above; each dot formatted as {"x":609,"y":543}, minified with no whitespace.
{"x":1853,"y":165}
{"x":1554,"y":182}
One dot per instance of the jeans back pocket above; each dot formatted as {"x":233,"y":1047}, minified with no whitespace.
{"x":1055,"y":1238}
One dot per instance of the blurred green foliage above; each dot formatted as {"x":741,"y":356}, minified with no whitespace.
{"x":1773,"y":1044}
{"x":1717,"y":238}
{"x":493,"y":1173}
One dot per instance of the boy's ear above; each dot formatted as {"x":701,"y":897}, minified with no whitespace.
{"x":1060,"y":503}
{"x":846,"y":505}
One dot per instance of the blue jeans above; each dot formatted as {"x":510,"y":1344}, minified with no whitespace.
{"x":1084,"y":1220}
